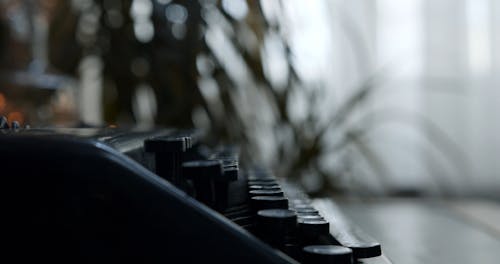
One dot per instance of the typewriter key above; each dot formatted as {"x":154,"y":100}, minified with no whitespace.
{"x":277,"y":218}
{"x":277,"y":226}
{"x":265,"y":193}
{"x":310,"y":217}
{"x":306,"y":211}
{"x":203,"y":174}
{"x":264,"y":178}
{"x":324,"y":254}
{"x":313,"y":227}
{"x":268,"y":202}
{"x":168,"y":156}
{"x":221,"y":184}
{"x":274,"y":187}
{"x":270,"y":182}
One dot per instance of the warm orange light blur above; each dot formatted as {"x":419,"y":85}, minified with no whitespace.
{"x":3,"y":103}
{"x":16,"y":116}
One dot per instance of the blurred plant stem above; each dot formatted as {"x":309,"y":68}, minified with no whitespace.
{"x":206,"y":64}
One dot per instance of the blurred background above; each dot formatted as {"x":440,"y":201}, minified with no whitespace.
{"x":368,"y":98}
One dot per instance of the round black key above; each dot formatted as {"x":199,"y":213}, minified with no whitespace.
{"x":264,"y":178}
{"x":313,"y":227}
{"x":264,"y":187}
{"x":277,"y":218}
{"x":265,"y":193}
{"x":276,"y":225}
{"x":273,"y":182}
{"x":310,"y":217}
{"x":326,"y":254}
{"x":363,"y":249}
{"x":260,"y":177}
{"x":306,"y":211}
{"x":268,"y":202}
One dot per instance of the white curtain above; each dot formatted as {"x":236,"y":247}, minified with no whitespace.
{"x":436,"y":107}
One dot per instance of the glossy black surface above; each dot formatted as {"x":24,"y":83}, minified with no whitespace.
{"x":80,"y":196}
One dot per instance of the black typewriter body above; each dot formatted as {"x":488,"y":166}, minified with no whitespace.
{"x":105,"y":195}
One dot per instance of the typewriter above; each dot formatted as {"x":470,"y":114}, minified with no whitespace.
{"x":159,"y":196}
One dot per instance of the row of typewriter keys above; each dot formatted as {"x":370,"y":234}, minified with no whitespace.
{"x":292,"y":226}
{"x":286,"y":220}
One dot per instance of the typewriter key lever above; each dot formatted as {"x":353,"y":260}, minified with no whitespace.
{"x":229,"y":174}
{"x":203,"y":174}
{"x":168,"y":155}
